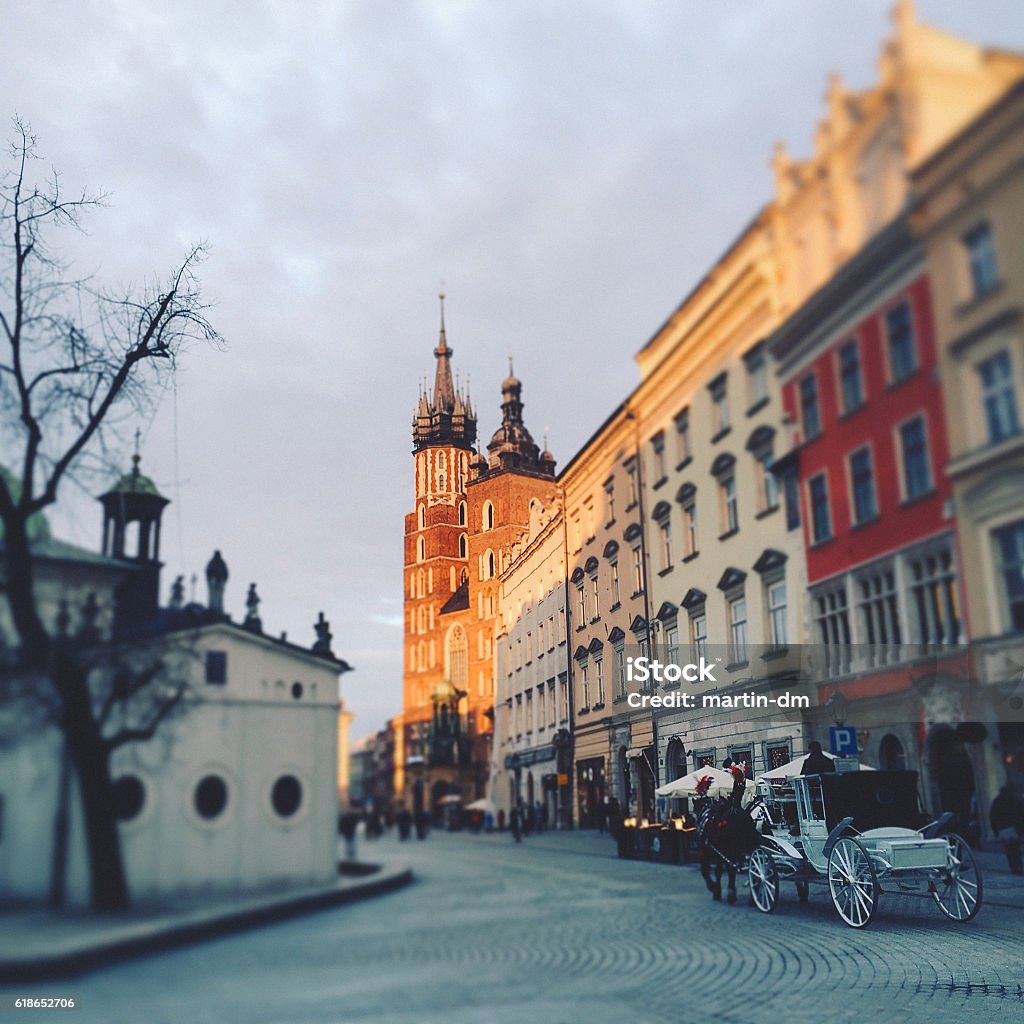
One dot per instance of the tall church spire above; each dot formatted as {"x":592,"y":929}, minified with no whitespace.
{"x":444,"y":416}
{"x":444,"y":390}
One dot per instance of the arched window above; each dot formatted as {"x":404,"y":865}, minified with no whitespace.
{"x":490,"y":565}
{"x":421,"y":549}
{"x":423,"y":517}
{"x":457,"y":658}
{"x":420,"y":583}
{"x":462,"y":513}
{"x":463,"y":547}
{"x":487,"y":516}
{"x":451,"y":579}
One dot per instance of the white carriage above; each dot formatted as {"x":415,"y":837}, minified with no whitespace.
{"x":862,"y":833}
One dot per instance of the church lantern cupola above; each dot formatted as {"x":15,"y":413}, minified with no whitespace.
{"x":132,"y":510}
{"x":512,"y":446}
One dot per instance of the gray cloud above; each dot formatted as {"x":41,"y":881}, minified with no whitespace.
{"x":569,"y":170}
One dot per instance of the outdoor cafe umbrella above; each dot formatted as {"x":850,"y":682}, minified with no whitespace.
{"x":795,"y":767}
{"x":483,"y":804}
{"x":721,"y":783}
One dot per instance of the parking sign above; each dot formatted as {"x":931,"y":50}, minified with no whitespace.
{"x":843,"y":740}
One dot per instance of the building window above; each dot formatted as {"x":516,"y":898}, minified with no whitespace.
{"x":934,"y":604}
{"x":899,"y":328}
{"x":832,"y":622}
{"x":981,"y":258}
{"x":767,"y":485}
{"x":738,"y":628}
{"x":862,"y":477}
{"x":614,"y":570}
{"x":917,"y":475}
{"x":879,"y":612}
{"x":216,"y":668}
{"x":620,"y":670}
{"x":634,"y":486}
{"x":809,"y":406}
{"x":563,"y":687}
{"x":128,"y":796}
{"x":581,"y":603}
{"x":462,"y":513}
{"x":719,"y":406}
{"x":776,"y":600}
{"x":595,"y":596}
{"x":729,"y":508}
{"x":998,"y":397}
{"x":599,"y":673}
{"x":423,"y":518}
{"x":672,"y":642}
{"x":584,"y":686}
{"x":551,"y":632}
{"x":638,"y":571}
{"x":665,"y":538}
{"x":683,"y":437}
{"x":791,"y":492}
{"x":658,"y":450}
{"x":609,"y":492}
{"x":210,"y":797}
{"x":542,"y":714}
{"x":850,"y":376}
{"x":821,"y":520}
{"x":1010,"y":549}
{"x":529,"y":712}
{"x":286,"y":796}
{"x":757,"y":376}
{"x":690,"y":525}
{"x":551,"y":702}
{"x":699,"y":634}
{"x":463,"y":546}
{"x":421,"y":549}
{"x":588,"y":514}
{"x":487,"y":516}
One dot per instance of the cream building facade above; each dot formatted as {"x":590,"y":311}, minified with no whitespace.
{"x":532,"y":708}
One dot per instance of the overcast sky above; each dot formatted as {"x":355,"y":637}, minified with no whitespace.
{"x":568,"y":170}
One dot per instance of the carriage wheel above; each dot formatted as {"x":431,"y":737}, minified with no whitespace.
{"x":853,"y":882}
{"x":764,"y":880}
{"x":956,"y":888}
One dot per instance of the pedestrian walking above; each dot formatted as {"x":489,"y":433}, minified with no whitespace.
{"x":404,"y":824}
{"x":514,"y":825}
{"x":1008,"y":824}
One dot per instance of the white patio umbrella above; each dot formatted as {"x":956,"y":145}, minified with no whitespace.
{"x":795,"y":767}
{"x":721,"y":783}
{"x":482,"y":804}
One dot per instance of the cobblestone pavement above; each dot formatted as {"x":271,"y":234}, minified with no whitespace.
{"x":558,"y":930}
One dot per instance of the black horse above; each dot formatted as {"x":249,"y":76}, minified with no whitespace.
{"x":728,"y":835}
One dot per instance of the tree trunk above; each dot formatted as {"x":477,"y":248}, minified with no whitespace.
{"x":58,"y":869}
{"x":35,"y":641}
{"x":107,"y":882}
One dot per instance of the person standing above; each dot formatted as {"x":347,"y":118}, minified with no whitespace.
{"x":514,"y":825}
{"x":1008,"y":824}
{"x":816,"y":763}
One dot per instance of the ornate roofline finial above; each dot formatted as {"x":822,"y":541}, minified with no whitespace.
{"x":137,"y":458}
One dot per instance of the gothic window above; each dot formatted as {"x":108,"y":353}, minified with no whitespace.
{"x":421,"y":549}
{"x":463,"y":547}
{"x":423,"y":517}
{"x":457,"y":657}
{"x":462,"y":513}
{"x":487,"y":516}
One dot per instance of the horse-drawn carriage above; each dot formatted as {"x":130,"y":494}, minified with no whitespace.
{"x":863,"y":834}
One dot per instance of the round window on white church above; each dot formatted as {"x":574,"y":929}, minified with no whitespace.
{"x":286,"y":796}
{"x":128,"y":797}
{"x":211,"y":797}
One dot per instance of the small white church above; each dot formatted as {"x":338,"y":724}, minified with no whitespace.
{"x":237,"y":791}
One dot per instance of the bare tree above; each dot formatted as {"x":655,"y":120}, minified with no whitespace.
{"x":75,"y":360}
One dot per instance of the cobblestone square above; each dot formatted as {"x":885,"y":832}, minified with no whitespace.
{"x":558,"y":930}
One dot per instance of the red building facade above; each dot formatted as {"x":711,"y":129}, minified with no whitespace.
{"x":866,"y":475}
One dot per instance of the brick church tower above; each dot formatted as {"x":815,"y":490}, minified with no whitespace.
{"x":469,"y":511}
